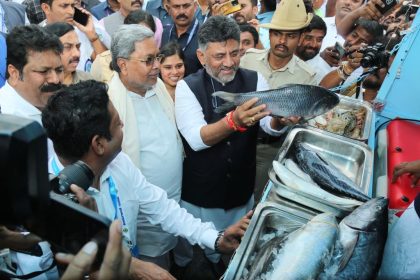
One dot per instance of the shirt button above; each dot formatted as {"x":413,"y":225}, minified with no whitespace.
{"x":229,"y":160}
{"x":228,"y":175}
{"x":228,"y":143}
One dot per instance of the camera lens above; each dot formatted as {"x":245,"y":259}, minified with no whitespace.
{"x":78,"y":173}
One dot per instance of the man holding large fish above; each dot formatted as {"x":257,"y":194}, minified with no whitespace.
{"x":279,"y":66}
{"x":219,"y":168}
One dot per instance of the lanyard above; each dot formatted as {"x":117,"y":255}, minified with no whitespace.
{"x":116,"y":202}
{"x":189,"y":36}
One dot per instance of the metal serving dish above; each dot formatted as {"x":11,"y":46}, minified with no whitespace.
{"x":351,"y":103}
{"x":351,"y":157}
{"x":268,"y":217}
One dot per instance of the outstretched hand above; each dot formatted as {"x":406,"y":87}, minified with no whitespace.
{"x":233,"y":234}
{"x":413,"y":168}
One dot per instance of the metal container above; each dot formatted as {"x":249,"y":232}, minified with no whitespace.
{"x":351,"y":103}
{"x":280,"y":193}
{"x":351,"y":157}
{"x":268,"y":218}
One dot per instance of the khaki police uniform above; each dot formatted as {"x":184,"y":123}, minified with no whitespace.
{"x":295,"y":72}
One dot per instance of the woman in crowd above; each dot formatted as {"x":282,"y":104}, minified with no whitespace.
{"x":172,"y":67}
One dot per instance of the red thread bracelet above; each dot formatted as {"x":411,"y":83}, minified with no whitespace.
{"x":231,"y":123}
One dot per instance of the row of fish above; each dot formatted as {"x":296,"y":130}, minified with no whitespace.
{"x":322,"y":250}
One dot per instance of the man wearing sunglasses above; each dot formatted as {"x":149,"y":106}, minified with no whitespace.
{"x":150,"y":135}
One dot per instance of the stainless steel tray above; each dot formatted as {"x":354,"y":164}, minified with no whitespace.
{"x":280,"y":192}
{"x":268,"y":217}
{"x":351,"y":103}
{"x":350,"y":156}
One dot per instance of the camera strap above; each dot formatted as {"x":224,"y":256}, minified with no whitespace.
{"x":113,"y":191}
{"x":189,"y":36}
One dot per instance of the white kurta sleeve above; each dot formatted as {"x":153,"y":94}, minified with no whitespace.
{"x":189,"y":116}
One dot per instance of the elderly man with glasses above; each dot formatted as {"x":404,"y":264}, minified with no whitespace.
{"x":151,"y":138}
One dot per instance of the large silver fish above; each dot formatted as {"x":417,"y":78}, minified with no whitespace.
{"x":304,"y":101}
{"x":304,"y":252}
{"x":361,"y":240}
{"x":325,"y":174}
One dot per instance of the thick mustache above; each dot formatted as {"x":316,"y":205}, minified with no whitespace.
{"x":51,"y":87}
{"x":277,"y":46}
{"x":74,"y":60}
{"x":310,"y":48}
{"x":224,"y":68}
{"x":182,"y":16}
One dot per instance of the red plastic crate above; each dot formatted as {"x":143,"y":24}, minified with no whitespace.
{"x":403,"y":146}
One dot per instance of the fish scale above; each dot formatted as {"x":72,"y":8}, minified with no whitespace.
{"x":305,"y":101}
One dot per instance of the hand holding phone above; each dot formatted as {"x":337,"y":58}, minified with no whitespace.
{"x":340,"y":49}
{"x":80,"y":17}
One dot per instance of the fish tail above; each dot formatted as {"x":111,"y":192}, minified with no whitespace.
{"x":228,"y":105}
{"x":227,"y":96}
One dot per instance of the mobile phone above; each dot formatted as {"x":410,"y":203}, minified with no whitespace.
{"x":70,"y":226}
{"x":388,"y":5}
{"x":230,"y":7}
{"x":80,"y":17}
{"x":340,"y":49}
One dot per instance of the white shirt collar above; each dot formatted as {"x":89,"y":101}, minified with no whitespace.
{"x":21,"y":103}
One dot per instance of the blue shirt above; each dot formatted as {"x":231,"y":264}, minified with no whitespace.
{"x":265,"y":17}
{"x":102,"y":10}
{"x":155,"y":8}
{"x":3,"y":55}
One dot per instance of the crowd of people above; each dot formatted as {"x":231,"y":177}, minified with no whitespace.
{"x":126,"y":87}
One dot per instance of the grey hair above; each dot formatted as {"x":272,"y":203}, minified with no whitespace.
{"x":218,"y":29}
{"x":123,"y":42}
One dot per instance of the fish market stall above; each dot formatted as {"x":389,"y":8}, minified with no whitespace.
{"x":362,"y":226}
{"x":351,"y":157}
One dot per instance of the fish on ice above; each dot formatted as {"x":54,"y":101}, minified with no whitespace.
{"x":290,"y":100}
{"x":304,"y":253}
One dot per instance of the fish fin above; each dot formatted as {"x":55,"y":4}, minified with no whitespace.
{"x":347,"y":253}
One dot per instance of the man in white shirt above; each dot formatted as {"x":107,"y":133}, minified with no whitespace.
{"x":219,"y":167}
{"x":342,"y":8}
{"x":365,"y":32}
{"x":93,"y":38}
{"x":151,"y":138}
{"x":84,"y":125}
{"x":34,"y":72}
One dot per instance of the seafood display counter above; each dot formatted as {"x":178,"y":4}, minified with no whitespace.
{"x":282,"y":210}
